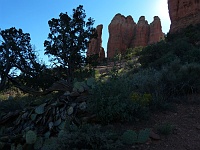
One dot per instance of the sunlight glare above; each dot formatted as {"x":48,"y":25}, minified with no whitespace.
{"x":162,"y":9}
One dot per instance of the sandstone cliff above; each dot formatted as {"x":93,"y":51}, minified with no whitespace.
{"x":142,"y":33}
{"x":183,"y":13}
{"x":95,"y":45}
{"x":121,"y":32}
{"x":156,"y":33}
{"x":125,"y":33}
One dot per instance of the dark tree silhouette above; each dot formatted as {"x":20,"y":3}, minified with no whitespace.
{"x":16,"y":56}
{"x":68,"y":39}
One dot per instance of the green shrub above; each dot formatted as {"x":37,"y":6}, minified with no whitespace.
{"x":182,"y":79}
{"x":132,"y":52}
{"x":148,"y":81}
{"x":163,"y":53}
{"x":89,"y":137}
{"x":165,"y":129}
{"x":111,"y":101}
{"x":173,"y":80}
{"x":142,"y":99}
{"x":151,"y":81}
{"x":191,"y":34}
{"x":130,"y":137}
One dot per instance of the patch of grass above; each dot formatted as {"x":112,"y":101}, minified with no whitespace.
{"x":165,"y":129}
{"x":111,"y":101}
{"x":88,"y":137}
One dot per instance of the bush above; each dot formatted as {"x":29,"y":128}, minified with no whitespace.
{"x":191,"y":34}
{"x":163,"y":53}
{"x":132,"y":52}
{"x":149,"y":83}
{"x":165,"y":129}
{"x":182,"y":79}
{"x":111,"y":101}
{"x":88,"y":137}
{"x":142,"y":99}
{"x":171,"y":81}
{"x":151,"y":55}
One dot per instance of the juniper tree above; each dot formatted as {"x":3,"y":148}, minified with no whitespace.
{"x":68,"y":39}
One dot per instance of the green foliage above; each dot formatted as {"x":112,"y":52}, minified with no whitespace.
{"x":50,"y":144}
{"x":19,"y":147}
{"x":90,"y":82}
{"x":38,"y":143}
{"x":191,"y":34}
{"x":143,"y":136}
{"x":92,"y":60}
{"x":79,"y":86}
{"x":40,"y":109}
{"x":131,"y":57}
{"x":68,"y":39}
{"x":163,"y":53}
{"x":1,"y":145}
{"x":132,"y":52}
{"x":14,"y":99}
{"x":172,"y":80}
{"x":130,"y":137}
{"x":31,"y":137}
{"x":3,"y":97}
{"x":84,"y":85}
{"x":182,"y":79}
{"x":147,"y":81}
{"x":143,"y":100}
{"x":43,"y":79}
{"x":8,"y":105}
{"x":84,"y":73}
{"x":151,"y":81}
{"x":17,"y":56}
{"x":88,"y":137}
{"x":152,"y":53}
{"x":110,"y":101}
{"x":165,"y":129}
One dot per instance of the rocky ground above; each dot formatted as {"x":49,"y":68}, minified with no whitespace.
{"x":184,"y":120}
{"x":185,"y":129}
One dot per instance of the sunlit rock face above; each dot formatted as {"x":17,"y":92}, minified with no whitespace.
{"x":183,"y":13}
{"x":125,"y":33}
{"x":121,"y":32}
{"x":156,"y":33}
{"x":95,"y":45}
{"x":142,"y":33}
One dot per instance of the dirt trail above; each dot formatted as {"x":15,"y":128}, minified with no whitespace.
{"x":186,"y":132}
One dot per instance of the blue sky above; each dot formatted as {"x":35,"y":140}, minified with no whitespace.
{"x":32,"y":15}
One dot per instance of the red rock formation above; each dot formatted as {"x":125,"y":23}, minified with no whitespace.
{"x":121,"y":31}
{"x":183,"y":13}
{"x":101,"y":53}
{"x":156,"y":33}
{"x":95,"y":45}
{"x":125,"y":33}
{"x":92,"y":48}
{"x":142,"y":33}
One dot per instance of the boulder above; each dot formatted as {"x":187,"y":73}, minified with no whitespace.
{"x":183,"y":13}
